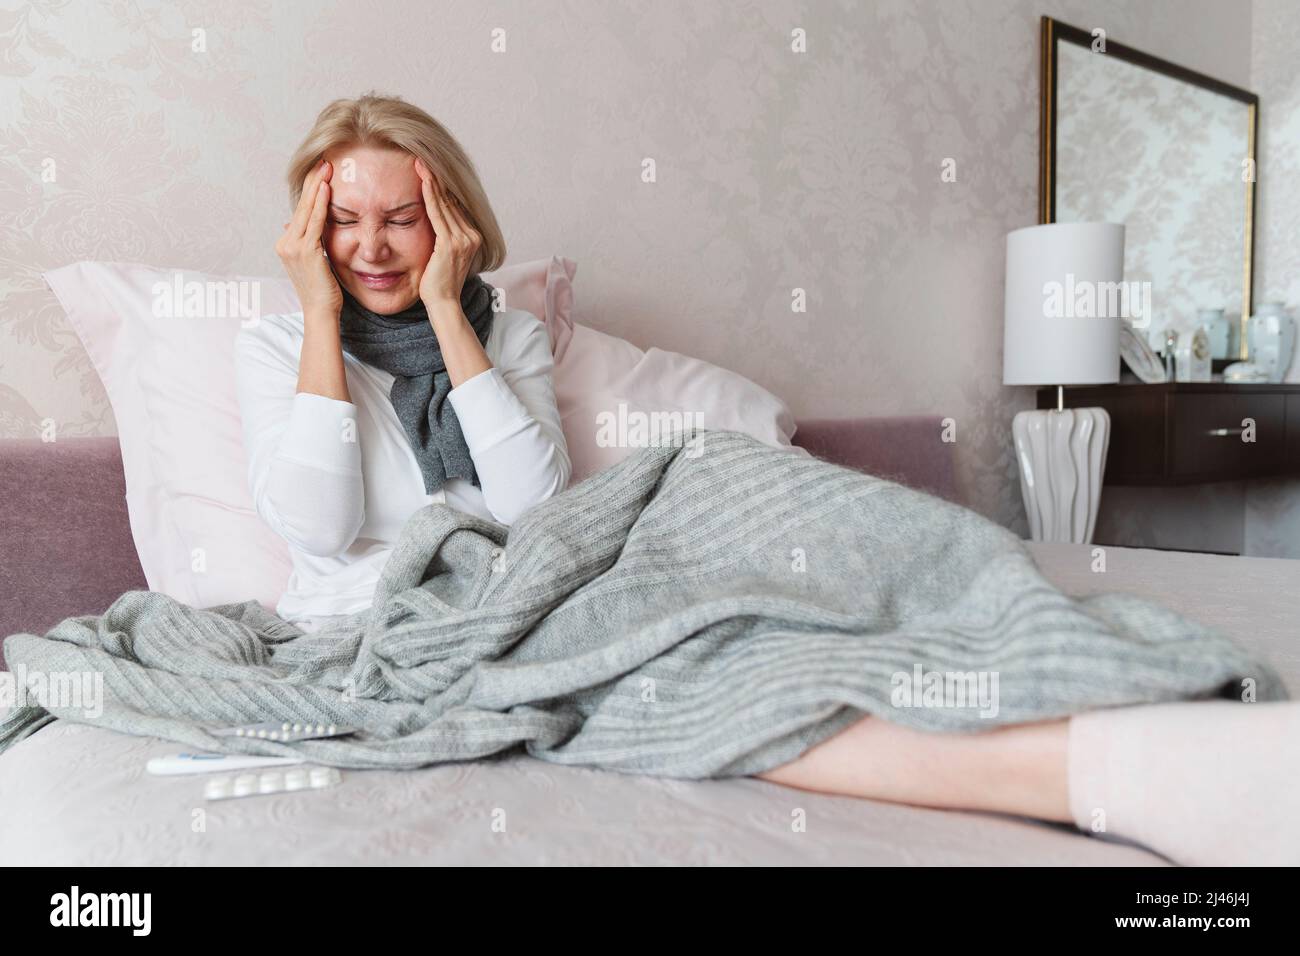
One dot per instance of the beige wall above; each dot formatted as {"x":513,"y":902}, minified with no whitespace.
{"x":775,"y":171}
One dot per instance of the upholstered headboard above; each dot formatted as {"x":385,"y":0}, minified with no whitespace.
{"x":67,"y":542}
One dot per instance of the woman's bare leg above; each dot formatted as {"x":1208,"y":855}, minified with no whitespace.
{"x":1206,"y":783}
{"x":1020,"y":769}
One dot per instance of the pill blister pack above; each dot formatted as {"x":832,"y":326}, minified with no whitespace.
{"x":285,"y":731}
{"x":230,"y":786}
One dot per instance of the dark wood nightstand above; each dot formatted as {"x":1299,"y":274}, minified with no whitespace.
{"x":1183,"y":433}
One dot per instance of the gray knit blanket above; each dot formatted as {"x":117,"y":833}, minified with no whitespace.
{"x":701,"y":611}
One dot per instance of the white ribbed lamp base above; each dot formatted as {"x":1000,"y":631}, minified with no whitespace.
{"x":1062,"y":456}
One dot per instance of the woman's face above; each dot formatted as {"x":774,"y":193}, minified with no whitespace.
{"x":377,"y":234}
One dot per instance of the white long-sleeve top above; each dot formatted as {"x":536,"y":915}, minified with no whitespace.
{"x":338,"y":480}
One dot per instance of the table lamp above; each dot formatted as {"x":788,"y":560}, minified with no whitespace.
{"x":1064,"y":298}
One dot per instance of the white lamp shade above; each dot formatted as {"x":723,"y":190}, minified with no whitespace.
{"x":1061,"y":326}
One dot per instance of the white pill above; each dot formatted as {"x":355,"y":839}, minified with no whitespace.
{"x":320,"y":728}
{"x":261,"y":733}
{"x":322,"y":776}
{"x":245,"y":784}
{"x":295,"y":779}
{"x":284,"y":727}
{"x":217,"y":789}
{"x":239,"y":731}
{"x":269,"y":782}
{"x":297,"y":728}
{"x":333,"y":729}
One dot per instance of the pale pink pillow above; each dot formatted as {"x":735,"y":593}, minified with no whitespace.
{"x":600,"y":373}
{"x":596,"y":373}
{"x":544,"y":288}
{"x":171,"y":385}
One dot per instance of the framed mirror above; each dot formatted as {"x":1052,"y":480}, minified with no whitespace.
{"x":1128,"y":137}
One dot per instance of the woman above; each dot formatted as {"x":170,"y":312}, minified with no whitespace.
{"x":397,"y":385}
{"x":390,"y":230}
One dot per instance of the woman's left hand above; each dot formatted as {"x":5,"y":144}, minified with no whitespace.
{"x":454,"y":246}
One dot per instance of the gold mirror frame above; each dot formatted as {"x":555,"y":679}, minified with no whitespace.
{"x":1053,"y":32}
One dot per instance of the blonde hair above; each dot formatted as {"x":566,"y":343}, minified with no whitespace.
{"x":389,"y":121}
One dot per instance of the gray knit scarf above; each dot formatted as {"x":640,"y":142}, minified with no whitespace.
{"x":404,"y":344}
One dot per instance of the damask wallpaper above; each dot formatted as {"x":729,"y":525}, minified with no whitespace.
{"x":878,"y":168}
{"x":1165,"y":158}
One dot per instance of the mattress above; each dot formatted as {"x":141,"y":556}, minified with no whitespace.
{"x":79,"y":795}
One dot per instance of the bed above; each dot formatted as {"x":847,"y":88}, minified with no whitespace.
{"x":79,"y":795}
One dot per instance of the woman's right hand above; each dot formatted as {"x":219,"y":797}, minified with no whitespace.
{"x":301,"y":250}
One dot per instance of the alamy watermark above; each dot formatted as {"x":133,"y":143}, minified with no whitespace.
{"x":1086,"y":299}
{"x":51,"y":690}
{"x":953,"y":689}
{"x":659,"y":429}
{"x":232,"y":298}
{"x":75,"y":908}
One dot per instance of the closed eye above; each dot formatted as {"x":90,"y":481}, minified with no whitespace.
{"x":353,"y":222}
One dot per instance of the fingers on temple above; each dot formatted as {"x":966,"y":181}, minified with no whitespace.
{"x":443,"y":211}
{"x":317,"y":221}
{"x":462,"y":220}
{"x":307,"y":199}
{"x":433,"y":206}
